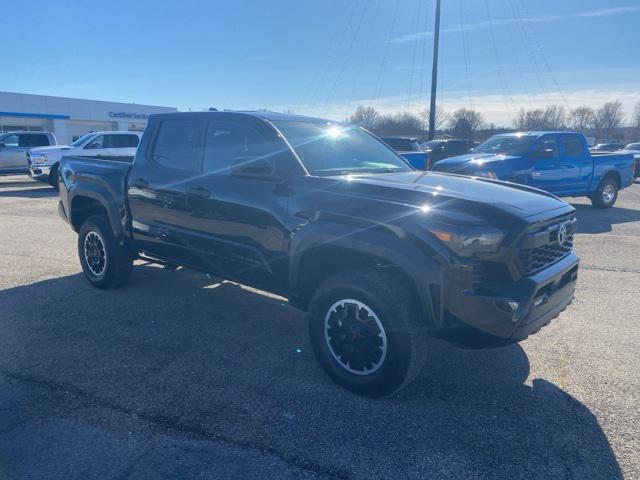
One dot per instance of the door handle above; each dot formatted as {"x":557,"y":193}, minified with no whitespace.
{"x":199,"y":191}
{"x":140,"y":183}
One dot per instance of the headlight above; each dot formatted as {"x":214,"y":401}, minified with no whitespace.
{"x":485,"y":175}
{"x":468,"y":241}
{"x":38,"y":158}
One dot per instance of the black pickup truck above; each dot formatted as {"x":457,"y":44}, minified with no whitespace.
{"x":380,"y":256}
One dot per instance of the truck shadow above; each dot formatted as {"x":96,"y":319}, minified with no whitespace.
{"x":593,"y":220}
{"x":24,"y":187}
{"x":196,"y":356}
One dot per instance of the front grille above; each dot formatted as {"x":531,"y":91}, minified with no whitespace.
{"x":535,"y":259}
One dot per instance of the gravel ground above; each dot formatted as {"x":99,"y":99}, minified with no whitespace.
{"x":182,"y":376}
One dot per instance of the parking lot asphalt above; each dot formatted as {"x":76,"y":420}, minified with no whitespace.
{"x":179,"y":375}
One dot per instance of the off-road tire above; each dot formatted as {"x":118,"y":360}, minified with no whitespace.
{"x":398,"y":312}
{"x":54,"y":176}
{"x":118,"y":261}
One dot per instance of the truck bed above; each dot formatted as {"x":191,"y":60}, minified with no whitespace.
{"x":103,"y":180}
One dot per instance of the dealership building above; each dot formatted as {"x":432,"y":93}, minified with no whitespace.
{"x":70,"y":118}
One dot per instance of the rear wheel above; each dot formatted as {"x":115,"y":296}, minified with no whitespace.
{"x":105,"y":263}
{"x":606,"y":194}
{"x":367,"y":333}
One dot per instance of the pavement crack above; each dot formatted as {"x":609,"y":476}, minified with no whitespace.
{"x":174,"y":425}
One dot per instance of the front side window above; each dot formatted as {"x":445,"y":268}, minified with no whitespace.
{"x":80,"y":141}
{"x":230,"y":145}
{"x":506,"y":145}
{"x":96,"y":143}
{"x":547,"y":148}
{"x":633,"y":146}
{"x":178,"y":145}
{"x":327,"y":148}
{"x":11,"y":141}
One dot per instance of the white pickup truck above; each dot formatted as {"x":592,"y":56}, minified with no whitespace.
{"x":43,"y":161}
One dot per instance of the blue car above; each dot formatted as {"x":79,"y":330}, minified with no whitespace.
{"x":557,"y":162}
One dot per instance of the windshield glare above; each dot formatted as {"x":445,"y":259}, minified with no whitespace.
{"x":334,"y":149}
{"x":506,"y":145}
{"x":81,"y":140}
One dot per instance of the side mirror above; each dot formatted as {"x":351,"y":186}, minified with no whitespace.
{"x":2,"y":145}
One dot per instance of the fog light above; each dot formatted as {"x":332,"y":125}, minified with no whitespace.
{"x":509,"y":306}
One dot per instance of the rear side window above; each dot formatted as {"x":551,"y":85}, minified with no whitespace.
{"x":231,"y":144}
{"x":572,"y":146}
{"x":178,"y":145}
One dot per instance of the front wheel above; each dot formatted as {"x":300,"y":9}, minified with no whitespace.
{"x":105,"y":263}
{"x":54,"y":176}
{"x":367,"y":333}
{"x":607,"y":193}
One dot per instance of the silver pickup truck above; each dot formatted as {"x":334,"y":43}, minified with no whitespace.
{"x":14,"y":147}
{"x":109,"y":145}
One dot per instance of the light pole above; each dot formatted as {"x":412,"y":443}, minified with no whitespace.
{"x":434,"y":74}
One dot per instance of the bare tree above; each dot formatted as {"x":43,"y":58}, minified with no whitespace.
{"x":464,"y":122}
{"x":364,"y":117}
{"x":581,"y":119}
{"x":552,"y":117}
{"x":608,"y":118}
{"x":442,"y":118}
{"x":403,"y":123}
{"x":636,"y":120}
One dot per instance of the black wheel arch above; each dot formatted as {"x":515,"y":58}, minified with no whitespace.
{"x":320,"y":255}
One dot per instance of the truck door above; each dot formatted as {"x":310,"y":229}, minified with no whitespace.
{"x":156,"y":190}
{"x":544,"y":173}
{"x":238,"y":206}
{"x":576,"y":164}
{"x":13,"y":153}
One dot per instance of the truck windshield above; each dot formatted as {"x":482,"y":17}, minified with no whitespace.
{"x":506,"y":144}
{"x":328,"y":148}
{"x":82,"y":139}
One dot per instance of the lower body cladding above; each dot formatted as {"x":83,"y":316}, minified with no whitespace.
{"x":499,"y":313}
{"x":40,"y":172}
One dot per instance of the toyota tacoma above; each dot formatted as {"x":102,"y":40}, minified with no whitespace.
{"x":379,"y":255}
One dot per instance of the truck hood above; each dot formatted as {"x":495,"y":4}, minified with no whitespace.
{"x":472,"y":162}
{"x":453,"y":192}
{"x":53,"y":148}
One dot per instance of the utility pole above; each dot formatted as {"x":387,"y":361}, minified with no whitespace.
{"x":434,"y":74}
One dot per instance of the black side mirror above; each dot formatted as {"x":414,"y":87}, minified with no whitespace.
{"x":2,"y":145}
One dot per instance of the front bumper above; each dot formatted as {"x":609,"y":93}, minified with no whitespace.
{"x":40,"y":172}
{"x":503,"y":313}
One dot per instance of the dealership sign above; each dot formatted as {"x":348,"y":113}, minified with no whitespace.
{"x":135,"y":116}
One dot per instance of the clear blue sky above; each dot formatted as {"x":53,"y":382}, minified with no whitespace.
{"x":325,"y":56}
